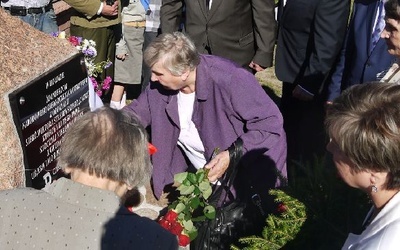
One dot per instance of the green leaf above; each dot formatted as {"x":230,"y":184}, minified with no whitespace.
{"x":192,"y":234}
{"x":185,"y":190}
{"x":200,"y":174}
{"x":196,"y":191}
{"x":188,"y":225}
{"x":180,"y":177}
{"x":181,"y":216}
{"x":179,"y":208}
{"x":195,"y":202}
{"x":209,"y":212}
{"x":186,"y":182}
{"x":192,"y":178}
{"x":206,"y":189}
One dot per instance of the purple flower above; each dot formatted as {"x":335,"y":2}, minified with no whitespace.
{"x":107,"y":82}
{"x":89,"y":52}
{"x":99,"y":93}
{"x":108,"y":64}
{"x":94,"y":82}
{"x":79,"y":39}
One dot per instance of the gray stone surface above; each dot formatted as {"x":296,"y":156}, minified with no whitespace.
{"x":25,"y":54}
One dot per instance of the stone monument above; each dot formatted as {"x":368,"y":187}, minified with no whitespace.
{"x":32,"y":90}
{"x":40,"y":97}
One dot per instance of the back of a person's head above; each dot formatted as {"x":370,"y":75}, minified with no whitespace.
{"x":365,"y":123}
{"x":109,"y":144}
{"x":177,"y":52}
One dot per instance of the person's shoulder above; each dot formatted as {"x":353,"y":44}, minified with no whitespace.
{"x":134,"y":222}
{"x":21,"y":195}
{"x":17,"y":192}
{"x":129,"y":229}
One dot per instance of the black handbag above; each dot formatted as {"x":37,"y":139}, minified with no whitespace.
{"x":234,"y":218}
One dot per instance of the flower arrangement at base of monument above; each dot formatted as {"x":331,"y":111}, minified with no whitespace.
{"x":95,"y":70}
{"x":190,"y":207}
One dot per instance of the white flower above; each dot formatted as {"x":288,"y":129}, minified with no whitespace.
{"x":62,"y":35}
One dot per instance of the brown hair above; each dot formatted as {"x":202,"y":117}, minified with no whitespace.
{"x":365,"y":123}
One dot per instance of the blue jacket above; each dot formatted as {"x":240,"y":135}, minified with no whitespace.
{"x":229,"y":103}
{"x":357,"y":64}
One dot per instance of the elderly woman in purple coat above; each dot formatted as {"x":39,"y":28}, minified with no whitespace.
{"x":196,"y":103}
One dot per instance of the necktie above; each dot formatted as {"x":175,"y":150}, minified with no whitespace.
{"x":380,"y":25}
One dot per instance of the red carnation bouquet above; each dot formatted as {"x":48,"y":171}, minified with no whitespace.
{"x":191,"y":206}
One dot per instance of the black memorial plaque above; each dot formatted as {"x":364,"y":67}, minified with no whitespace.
{"x":43,"y":110}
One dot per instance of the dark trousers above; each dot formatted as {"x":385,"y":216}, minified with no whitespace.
{"x":304,"y":126}
{"x":105,"y":46}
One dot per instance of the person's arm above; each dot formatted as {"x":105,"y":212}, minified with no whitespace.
{"x":90,"y":8}
{"x":140,"y":107}
{"x":264,"y":31}
{"x":335,"y":84}
{"x":121,"y":49}
{"x":262,"y":120}
{"x":329,"y":30}
{"x":171,"y":15}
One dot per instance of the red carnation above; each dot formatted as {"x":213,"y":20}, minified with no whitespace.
{"x":171,"y":216}
{"x":281,"y":208}
{"x":164,"y":223}
{"x":183,"y":240}
{"x":74,"y":40}
{"x":176,"y":228}
{"x":152,"y":149}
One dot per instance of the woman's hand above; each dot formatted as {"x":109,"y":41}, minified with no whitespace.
{"x":121,"y":57}
{"x":218,"y":166}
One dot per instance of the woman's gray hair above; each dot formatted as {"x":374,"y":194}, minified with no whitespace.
{"x":109,"y":144}
{"x":365,"y":123}
{"x":176,"y":52}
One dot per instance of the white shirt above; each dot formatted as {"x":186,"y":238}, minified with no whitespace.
{"x":383,"y":233}
{"x":189,"y":138}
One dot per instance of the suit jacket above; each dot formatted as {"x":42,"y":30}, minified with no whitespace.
{"x":231,"y":28}
{"x":383,"y":233}
{"x":70,"y":215}
{"x":229,"y":104}
{"x":311,"y":33}
{"x":358,"y":63}
{"x":85,"y":14}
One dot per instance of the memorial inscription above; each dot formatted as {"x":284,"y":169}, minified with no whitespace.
{"x":43,"y":110}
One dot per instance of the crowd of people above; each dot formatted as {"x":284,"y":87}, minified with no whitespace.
{"x":195,"y":62}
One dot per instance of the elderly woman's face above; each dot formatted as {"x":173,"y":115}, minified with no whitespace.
{"x":391,"y":34}
{"x":162,"y":75}
{"x":345,"y":168}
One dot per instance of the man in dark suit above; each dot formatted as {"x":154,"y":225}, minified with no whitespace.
{"x":311,"y":33}
{"x":243,"y":31}
{"x":361,"y":59}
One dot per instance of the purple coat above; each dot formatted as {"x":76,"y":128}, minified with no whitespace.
{"x":229,"y":103}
